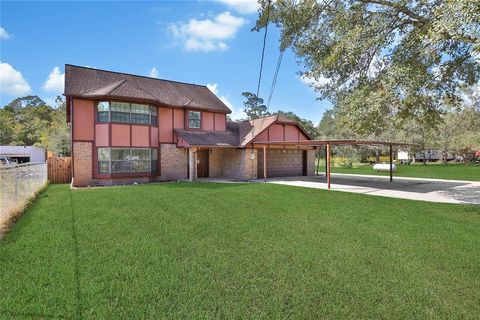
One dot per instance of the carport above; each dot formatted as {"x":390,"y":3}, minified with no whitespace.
{"x":327,"y":144}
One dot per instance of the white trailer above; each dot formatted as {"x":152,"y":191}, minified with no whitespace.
{"x":23,"y":154}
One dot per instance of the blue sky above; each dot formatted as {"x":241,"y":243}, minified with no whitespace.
{"x":203,"y":42}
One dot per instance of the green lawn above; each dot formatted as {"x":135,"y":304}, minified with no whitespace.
{"x":200,"y":250}
{"x":435,"y":171}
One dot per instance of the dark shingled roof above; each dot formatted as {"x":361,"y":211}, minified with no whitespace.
{"x":95,"y":83}
{"x":238,"y":134}
{"x":211,"y":138}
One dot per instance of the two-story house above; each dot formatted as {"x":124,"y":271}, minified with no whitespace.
{"x":128,"y":128}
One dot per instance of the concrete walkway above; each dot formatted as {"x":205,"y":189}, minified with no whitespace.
{"x":433,"y":190}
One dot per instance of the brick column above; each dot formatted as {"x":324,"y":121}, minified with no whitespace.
{"x":82,"y":164}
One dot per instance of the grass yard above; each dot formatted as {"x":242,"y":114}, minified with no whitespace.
{"x":200,"y":250}
{"x":434,"y":171}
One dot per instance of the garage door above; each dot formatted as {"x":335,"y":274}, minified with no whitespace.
{"x":282,"y":163}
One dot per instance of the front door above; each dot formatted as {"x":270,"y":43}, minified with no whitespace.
{"x":202,"y":164}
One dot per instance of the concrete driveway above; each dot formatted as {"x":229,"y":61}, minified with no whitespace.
{"x":433,"y":190}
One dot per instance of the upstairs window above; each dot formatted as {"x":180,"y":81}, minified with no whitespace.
{"x":103,"y":111}
{"x":194,"y":119}
{"x":122,"y":112}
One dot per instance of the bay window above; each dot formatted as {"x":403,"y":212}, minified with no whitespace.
{"x":127,"y":160}
{"x":194,"y":119}
{"x":122,"y":112}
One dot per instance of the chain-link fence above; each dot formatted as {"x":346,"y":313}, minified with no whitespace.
{"x":17,"y":185}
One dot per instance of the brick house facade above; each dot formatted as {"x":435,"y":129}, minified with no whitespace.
{"x":128,"y":128}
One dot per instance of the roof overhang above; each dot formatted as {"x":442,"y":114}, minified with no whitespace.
{"x":146,"y":101}
{"x":338,"y":142}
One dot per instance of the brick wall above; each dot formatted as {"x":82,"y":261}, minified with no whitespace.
{"x":310,"y":162}
{"x":173,"y":162}
{"x":233,"y":164}
{"x":82,"y":163}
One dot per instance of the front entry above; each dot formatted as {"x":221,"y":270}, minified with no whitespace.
{"x":202,"y":164}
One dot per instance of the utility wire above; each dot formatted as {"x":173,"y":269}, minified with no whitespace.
{"x":274,"y":82}
{"x":263,"y":48}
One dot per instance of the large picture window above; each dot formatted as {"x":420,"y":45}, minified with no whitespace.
{"x":194,"y":119}
{"x":123,"y":112}
{"x":127,"y":160}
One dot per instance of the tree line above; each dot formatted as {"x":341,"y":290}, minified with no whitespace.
{"x":30,"y":121}
{"x":456,"y":132}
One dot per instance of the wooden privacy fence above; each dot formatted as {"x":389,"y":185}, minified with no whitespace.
{"x":59,"y":168}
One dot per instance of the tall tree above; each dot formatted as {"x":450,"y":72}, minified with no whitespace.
{"x":29,"y":121}
{"x":56,"y":137}
{"x":254,"y":106}
{"x":383,"y":59}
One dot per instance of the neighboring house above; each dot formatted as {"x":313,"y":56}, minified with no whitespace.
{"x":22,"y":154}
{"x":128,"y":128}
{"x":430,"y":155}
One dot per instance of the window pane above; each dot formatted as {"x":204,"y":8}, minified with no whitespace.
{"x":120,"y":117}
{"x":102,"y":111}
{"x":103,"y":154}
{"x":153,"y":111}
{"x":103,"y":167}
{"x":194,"y":119}
{"x":140,"y":154}
{"x":103,"y":106}
{"x":194,"y":124}
{"x":154,"y":153}
{"x":194,"y":115}
{"x":120,"y":107}
{"x":140,"y":118}
{"x":120,"y":154}
{"x":121,"y":166}
{"x":102,"y":116}
{"x":153,"y":120}
{"x":140,"y":108}
{"x":140,"y":166}
{"x":154,"y":166}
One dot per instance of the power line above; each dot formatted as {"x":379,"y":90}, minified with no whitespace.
{"x":263,"y":48}
{"x":274,"y":82}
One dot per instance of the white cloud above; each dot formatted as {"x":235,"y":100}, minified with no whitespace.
{"x":12,"y":81}
{"x":213,"y":87}
{"x":153,"y":73}
{"x":242,"y":6}
{"x":4,"y":34}
{"x":312,"y":82}
{"x":208,"y":34}
{"x":55,"y":82}
{"x":236,"y":113}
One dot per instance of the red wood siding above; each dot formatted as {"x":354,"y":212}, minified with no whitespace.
{"x":154,"y":137}
{"x":102,"y":138}
{"x":179,"y":120}
{"x":140,"y":136}
{"x":165,"y":124}
{"x":120,"y":135}
{"x":83,"y":120}
{"x":207,"y":121}
{"x":220,"y":124}
{"x":276,"y":132}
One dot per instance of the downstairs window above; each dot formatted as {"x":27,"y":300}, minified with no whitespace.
{"x":127,"y":160}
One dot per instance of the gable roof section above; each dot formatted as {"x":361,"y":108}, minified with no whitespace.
{"x":95,"y":83}
{"x":249,"y":130}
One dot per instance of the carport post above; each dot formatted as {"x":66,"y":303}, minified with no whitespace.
{"x":326,"y":162}
{"x":264,"y":163}
{"x":391,"y":164}
{"x":328,"y":165}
